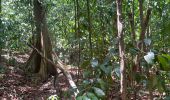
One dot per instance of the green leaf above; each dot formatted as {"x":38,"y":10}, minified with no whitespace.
{"x":86,"y":82}
{"x":79,"y":98}
{"x":89,"y":94}
{"x":134,"y":51}
{"x":164,"y":61}
{"x":99,"y":92}
{"x":92,"y":96}
{"x":117,"y":71}
{"x":106,"y":59}
{"x":86,"y":98}
{"x":107,"y":69}
{"x":102,"y":83}
{"x":167,"y":98}
{"x":86,"y":74}
{"x":113,"y":52}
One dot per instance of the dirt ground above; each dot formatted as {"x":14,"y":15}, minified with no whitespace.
{"x":16,"y":85}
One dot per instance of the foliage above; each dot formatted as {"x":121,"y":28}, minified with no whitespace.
{"x":69,"y":32}
{"x":2,"y":69}
{"x":53,"y":97}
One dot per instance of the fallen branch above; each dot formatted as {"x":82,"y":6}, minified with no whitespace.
{"x":61,"y":67}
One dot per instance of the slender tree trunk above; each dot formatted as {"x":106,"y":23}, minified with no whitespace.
{"x":75,"y":18}
{"x":121,"y":50}
{"x":102,"y":28}
{"x":133,"y":36}
{"x":77,"y":31}
{"x":132,"y":24}
{"x":143,"y":23}
{"x":1,"y":30}
{"x":89,"y":28}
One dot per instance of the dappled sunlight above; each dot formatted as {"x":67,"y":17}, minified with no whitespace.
{"x":84,"y":49}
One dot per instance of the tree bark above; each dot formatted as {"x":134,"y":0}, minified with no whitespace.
{"x":61,"y":66}
{"x":132,"y":24}
{"x":78,"y":36}
{"x":133,"y":36}
{"x":121,"y":50}
{"x":43,"y":44}
{"x":89,"y":28}
{"x":0,"y":31}
{"x":143,"y":23}
{"x":102,"y":28}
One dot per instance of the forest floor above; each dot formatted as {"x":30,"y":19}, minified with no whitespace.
{"x":15,"y":84}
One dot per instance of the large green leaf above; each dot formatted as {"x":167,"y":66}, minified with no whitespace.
{"x":92,"y":96}
{"x":116,"y":70}
{"x":79,"y":98}
{"x":86,"y":73}
{"x":134,"y":51}
{"x":99,"y":92}
{"x":106,"y":69}
{"x":101,"y":82}
{"x":86,"y":98}
{"x":161,"y":83}
{"x":86,"y":82}
{"x":164,"y":61}
{"x":167,"y":98}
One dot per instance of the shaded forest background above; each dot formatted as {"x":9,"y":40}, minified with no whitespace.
{"x":100,"y":49}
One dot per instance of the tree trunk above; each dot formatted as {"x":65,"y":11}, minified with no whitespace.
{"x":133,"y":37}
{"x":0,"y":32}
{"x":102,"y":28}
{"x":121,"y":49}
{"x":43,"y":44}
{"x":143,"y":23}
{"x":89,"y":28}
{"x":78,"y":36}
{"x":132,"y":24}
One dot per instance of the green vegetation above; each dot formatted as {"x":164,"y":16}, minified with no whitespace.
{"x":117,"y":48}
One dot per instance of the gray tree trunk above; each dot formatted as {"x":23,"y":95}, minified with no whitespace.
{"x":121,"y":50}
